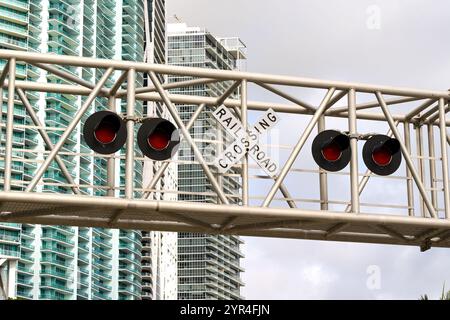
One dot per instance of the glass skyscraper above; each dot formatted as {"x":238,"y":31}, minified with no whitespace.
{"x":159,"y":249}
{"x":69,"y":262}
{"x":208,"y":265}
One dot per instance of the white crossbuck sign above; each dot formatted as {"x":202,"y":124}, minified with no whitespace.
{"x":246,"y":142}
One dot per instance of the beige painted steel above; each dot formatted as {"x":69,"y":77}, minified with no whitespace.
{"x":135,"y":211}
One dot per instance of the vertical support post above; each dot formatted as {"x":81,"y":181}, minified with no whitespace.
{"x":9,"y":124}
{"x":409,"y":178}
{"x":443,"y":135}
{"x":323,"y":179}
{"x":432,"y":161}
{"x":219,"y":149}
{"x":3,"y":75}
{"x":111,"y":167}
{"x":129,"y":160}
{"x":354,"y":149}
{"x":406,"y":155}
{"x":244,"y":120}
{"x":421,"y":172}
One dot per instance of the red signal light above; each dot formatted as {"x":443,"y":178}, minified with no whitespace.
{"x":382,"y":154}
{"x":158,"y":139}
{"x":331,"y":150}
{"x":105,"y":132}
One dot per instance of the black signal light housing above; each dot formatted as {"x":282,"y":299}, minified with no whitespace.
{"x":382,"y":155}
{"x":331,"y":150}
{"x":105,"y":132}
{"x":158,"y":139}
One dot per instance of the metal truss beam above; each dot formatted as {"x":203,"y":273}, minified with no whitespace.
{"x":128,"y":206}
{"x":268,"y":222}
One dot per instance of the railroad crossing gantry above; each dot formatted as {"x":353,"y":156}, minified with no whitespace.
{"x":424,"y":219}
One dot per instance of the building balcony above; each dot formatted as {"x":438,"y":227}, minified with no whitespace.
{"x":15,"y":4}
{"x":128,"y":269}
{"x":130,"y":291}
{"x":83,"y":258}
{"x":103,"y":253}
{"x":59,"y":251}
{"x":56,"y":237}
{"x":26,"y":257}
{"x":82,"y":295}
{"x":54,"y":261}
{"x":27,"y":246}
{"x":9,"y":239}
{"x":101,"y":296}
{"x":24,"y":294}
{"x":103,"y":275}
{"x":54,"y":273}
{"x":25,"y":270}
{"x":129,"y":257}
{"x":58,"y":287}
{"x":12,"y":43}
{"x":19,"y":18}
{"x":52,"y":296}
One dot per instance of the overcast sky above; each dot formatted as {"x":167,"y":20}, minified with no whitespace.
{"x":338,"y":40}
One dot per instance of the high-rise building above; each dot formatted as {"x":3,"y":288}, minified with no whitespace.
{"x":208,"y":265}
{"x":69,"y":262}
{"x":159,"y":249}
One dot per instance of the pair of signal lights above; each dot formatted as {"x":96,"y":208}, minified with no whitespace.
{"x":381,"y":154}
{"x":105,"y":132}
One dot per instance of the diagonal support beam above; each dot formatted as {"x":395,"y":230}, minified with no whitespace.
{"x":67,"y":76}
{"x":286,"y":96}
{"x":338,"y":227}
{"x":191,"y":122}
{"x":298,"y":148}
{"x":337,"y":97}
{"x":436,"y":116}
{"x":40,"y":172}
{"x":173,"y":112}
{"x":284,"y":190}
{"x":419,"y":109}
{"x":174,"y":85}
{"x":165,"y":165}
{"x":220,"y":100}
{"x":115,"y":88}
{"x":374,"y":104}
{"x":4,"y":73}
{"x":406,"y":155}
{"x":393,"y":233}
{"x":47,"y":140}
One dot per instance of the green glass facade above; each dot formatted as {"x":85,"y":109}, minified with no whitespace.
{"x":69,"y":262}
